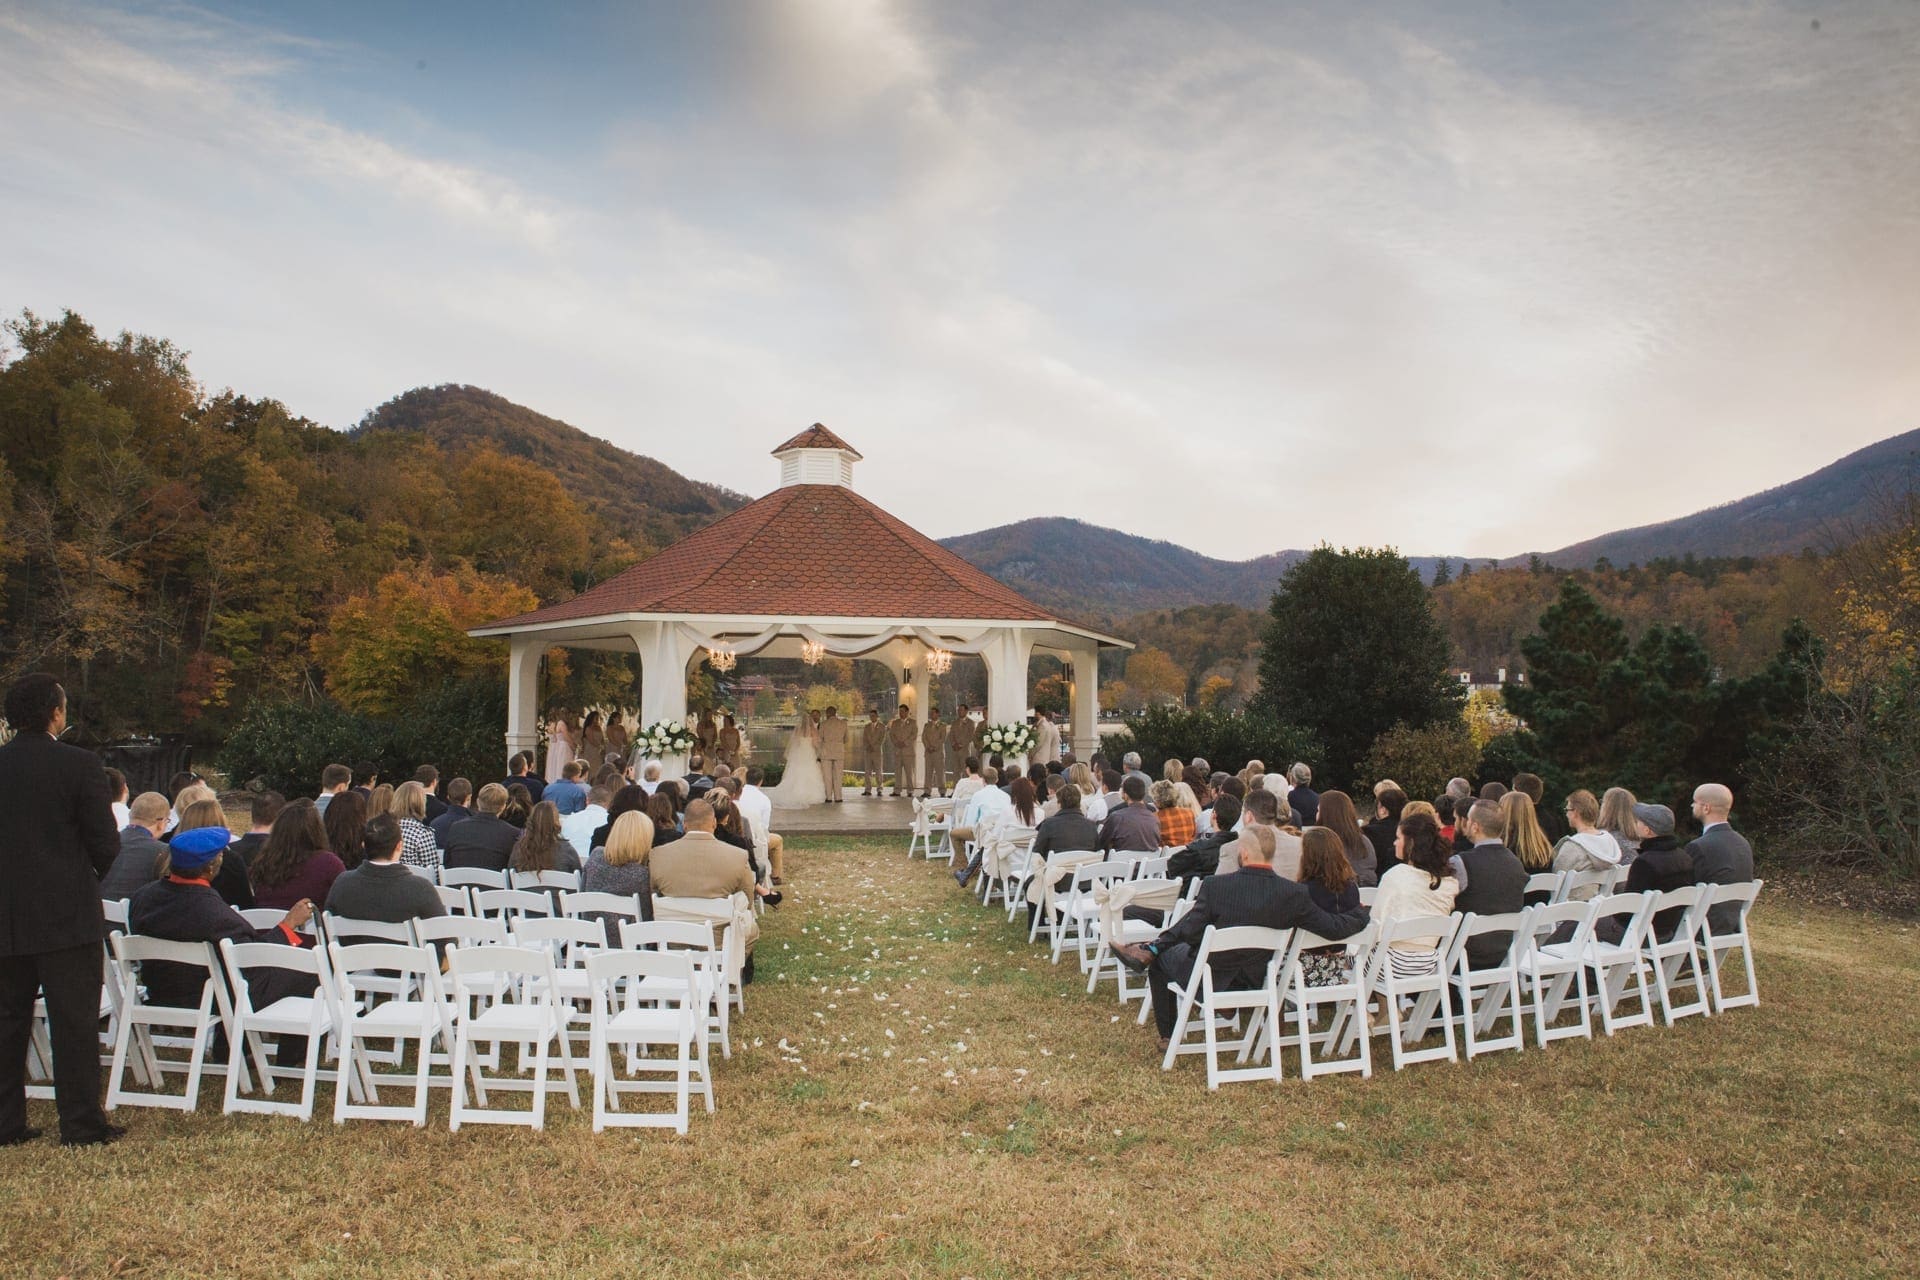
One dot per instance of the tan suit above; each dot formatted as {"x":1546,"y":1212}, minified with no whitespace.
{"x":960,"y":736}
{"x":698,"y":865}
{"x":901,"y":735}
{"x":873,"y":755}
{"x":1046,"y":742}
{"x":833,"y":754}
{"x":933,"y":747}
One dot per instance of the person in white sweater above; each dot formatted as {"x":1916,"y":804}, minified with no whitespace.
{"x":1588,"y":848}
{"x":1421,"y":883}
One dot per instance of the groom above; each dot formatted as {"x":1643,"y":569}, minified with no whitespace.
{"x":833,"y":753}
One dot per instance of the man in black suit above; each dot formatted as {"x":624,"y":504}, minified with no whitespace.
{"x":459,"y":793}
{"x":1252,"y":895}
{"x":485,"y":840}
{"x":56,"y":843}
{"x":429,"y":777}
{"x":1202,"y":858}
{"x":1303,"y":799}
{"x":520,"y":771}
{"x":1721,"y":855}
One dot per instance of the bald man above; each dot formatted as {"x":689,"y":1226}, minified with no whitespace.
{"x":1721,"y":855}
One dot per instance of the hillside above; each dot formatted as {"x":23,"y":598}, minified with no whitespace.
{"x":628,"y":492}
{"x":1802,"y":513}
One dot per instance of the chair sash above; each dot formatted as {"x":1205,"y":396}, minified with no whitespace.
{"x":1114,"y":899}
{"x":1040,"y":890}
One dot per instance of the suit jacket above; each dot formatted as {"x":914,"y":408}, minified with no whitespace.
{"x":698,"y":865}
{"x":960,"y":736}
{"x":901,"y":733}
{"x":1305,"y":803}
{"x":535,"y":784}
{"x":480,"y":841}
{"x":57,"y":839}
{"x":873,"y":742}
{"x":1068,"y":831}
{"x":833,"y":738}
{"x":933,"y":738}
{"x":1721,"y":856}
{"x":1046,"y":746}
{"x":1255,"y":896}
{"x":133,"y":867}
{"x":439,"y":826}
{"x":1199,"y":859}
{"x":1132,"y":828}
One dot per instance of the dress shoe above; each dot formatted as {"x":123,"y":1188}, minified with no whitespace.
{"x":1135,"y":958}
{"x":25,"y":1135}
{"x":112,"y":1134}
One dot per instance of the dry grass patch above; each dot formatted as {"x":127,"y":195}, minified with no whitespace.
{"x":916,"y":1092}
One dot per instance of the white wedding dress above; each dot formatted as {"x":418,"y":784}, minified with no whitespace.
{"x":802,"y":785}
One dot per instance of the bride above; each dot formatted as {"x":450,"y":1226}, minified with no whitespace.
{"x":802,"y":785}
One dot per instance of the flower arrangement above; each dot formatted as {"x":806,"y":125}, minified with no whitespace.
{"x":1007,"y":739}
{"x":665,"y":738}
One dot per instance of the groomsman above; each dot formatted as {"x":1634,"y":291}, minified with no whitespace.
{"x":902,"y":736}
{"x":933,"y":742}
{"x":873,"y":754}
{"x":1046,"y":735}
{"x":960,"y":736}
{"x":833,"y":753}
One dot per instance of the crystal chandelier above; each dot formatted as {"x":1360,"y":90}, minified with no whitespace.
{"x":722,"y":658}
{"x":939,"y":662}
{"x":811,"y":652}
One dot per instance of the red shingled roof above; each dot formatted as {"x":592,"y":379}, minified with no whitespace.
{"x":816,"y":437}
{"x":803,"y":550}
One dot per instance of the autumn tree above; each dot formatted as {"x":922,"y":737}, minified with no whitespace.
{"x":1214,"y":691}
{"x":1154,"y":677}
{"x":381,"y":648}
{"x":514,"y":519}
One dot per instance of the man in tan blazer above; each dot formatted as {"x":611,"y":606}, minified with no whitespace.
{"x":698,"y":865}
{"x":933,"y":745}
{"x":960,"y":736}
{"x":904,"y":737}
{"x":873,"y":755}
{"x":727,"y":744}
{"x":833,"y":753}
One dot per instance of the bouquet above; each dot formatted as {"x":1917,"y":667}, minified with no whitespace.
{"x":1007,"y":739}
{"x":665,"y":738}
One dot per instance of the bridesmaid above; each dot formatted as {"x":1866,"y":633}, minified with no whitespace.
{"x":559,"y":745}
{"x":617,"y":739}
{"x":593,"y":743}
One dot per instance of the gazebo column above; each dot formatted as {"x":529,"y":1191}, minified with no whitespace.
{"x":1005,"y":652}
{"x":523,"y":693}
{"x":1083,"y":731}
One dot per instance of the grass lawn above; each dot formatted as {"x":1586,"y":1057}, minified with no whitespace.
{"x":916,"y":1092}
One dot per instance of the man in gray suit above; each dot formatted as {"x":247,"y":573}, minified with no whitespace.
{"x":1721,"y":855}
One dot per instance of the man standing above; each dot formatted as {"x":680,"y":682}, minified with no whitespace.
{"x":902,"y":736}
{"x":933,"y":746}
{"x":833,"y":754}
{"x":960,"y":736}
{"x":58,"y":841}
{"x":873,"y":755}
{"x":1046,"y":738}
{"x":1721,"y":855}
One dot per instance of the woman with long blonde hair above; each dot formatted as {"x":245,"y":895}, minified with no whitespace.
{"x":620,"y":867}
{"x":1524,"y":834}
{"x":1616,"y":819}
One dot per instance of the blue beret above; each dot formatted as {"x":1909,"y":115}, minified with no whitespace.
{"x":191,"y":850}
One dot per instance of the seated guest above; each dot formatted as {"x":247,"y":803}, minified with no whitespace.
{"x":182,"y":907}
{"x":1443,"y":811}
{"x":520,"y":774}
{"x":628,"y":799}
{"x":1262,"y":809}
{"x":1202,"y":858}
{"x":483,"y":840}
{"x":380,"y":801}
{"x":665,"y":817}
{"x":1491,"y":791}
{"x":1050,"y":794}
{"x":520,"y":803}
{"x":1588,"y":848}
{"x":1616,"y":819}
{"x":294,"y":862}
{"x":577,"y":828}
{"x":1336,"y":813}
{"x":1330,"y":881}
{"x":1492,"y":881}
{"x":1420,"y":883}
{"x":539,"y":847}
{"x":1661,"y":865}
{"x":366,"y":775}
{"x":260,"y":817}
{"x":459,"y":798}
{"x":1524,"y":835}
{"x":409,"y":808}
{"x":334,"y":779}
{"x":1531,"y":786}
{"x":1092,"y":807}
{"x":1023,"y":802}
{"x":119,"y":795}
{"x":346,"y":826}
{"x":1253,"y":895}
{"x":1177,"y":825}
{"x":968,"y":786}
{"x":699,"y":866}
{"x":429,"y":779}
{"x":620,"y":867}
{"x":1302,"y":798}
{"x":231,"y":882}
{"x":1132,"y":827}
{"x":1068,"y":831}
{"x":987,"y":802}
{"x":1384,"y":831}
{"x":139,"y":860}
{"x":1721,"y":855}
{"x":569,"y":795}
{"x":381,"y":887}
{"x":650,"y":777}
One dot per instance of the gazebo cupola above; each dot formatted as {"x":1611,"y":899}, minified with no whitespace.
{"x":816,"y":456}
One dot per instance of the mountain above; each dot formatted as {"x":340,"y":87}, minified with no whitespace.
{"x":1084,"y":569}
{"x":1802,"y":513}
{"x":629,"y":493}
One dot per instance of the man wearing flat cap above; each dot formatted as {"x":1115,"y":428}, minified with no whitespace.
{"x":1660,"y":865}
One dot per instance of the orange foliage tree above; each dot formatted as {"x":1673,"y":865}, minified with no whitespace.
{"x":382,"y":647}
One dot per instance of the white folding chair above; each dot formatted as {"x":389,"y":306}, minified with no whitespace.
{"x":1576,"y":886}
{"x":1555,"y":973}
{"x":527,"y":1011}
{"x":641,"y":1000}
{"x":457,"y":899}
{"x":464,"y":931}
{"x":1716,"y":945}
{"x":1217,"y":1007}
{"x":567,"y":880}
{"x":511,"y":904}
{"x":720,"y":916}
{"x":472,"y":878}
{"x":1113,"y":926}
{"x":419,"y":1016}
{"x":693,"y":938}
{"x":1618,"y":966}
{"x":430,"y":874}
{"x":1676,"y":962}
{"x":262,"y":917}
{"x":1148,"y":868}
{"x":1008,"y":866}
{"x":312,"y":1016}
{"x":354,"y":932}
{"x":1425,"y":991}
{"x":607,"y":908}
{"x":138,"y":1019}
{"x":1079,"y":915}
{"x":1481,"y":997}
{"x":570,"y":942}
{"x":1346,"y":1029}
{"x":1368,"y":893}
{"x":1548,"y":883}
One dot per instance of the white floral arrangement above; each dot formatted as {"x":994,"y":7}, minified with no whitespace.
{"x":666,"y":738}
{"x":1007,"y":739}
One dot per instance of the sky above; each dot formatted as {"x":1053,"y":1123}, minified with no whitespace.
{"x":1459,"y":278}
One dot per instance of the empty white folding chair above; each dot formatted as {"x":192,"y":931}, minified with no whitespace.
{"x":728,"y":925}
{"x":1255,"y":1011}
{"x":312,"y":1015}
{"x":464,"y":931}
{"x":1113,"y":926}
{"x":1544,"y":887}
{"x":1676,"y":962}
{"x":1154,"y":868}
{"x":353,"y":932}
{"x":1079,"y":915}
{"x":1554,"y":974}
{"x":566,"y":880}
{"x":695,"y":940}
{"x":643,"y":1000}
{"x":1423,"y":988}
{"x":608,"y":908}
{"x":139,"y":1019}
{"x":1717,"y":945}
{"x":511,"y":904}
{"x":528,"y":1012}
{"x":472,"y":878}
{"x":457,"y":899}
{"x":419,"y":1016}
{"x":920,"y":831}
{"x":1345,"y":1003}
{"x":570,"y":942}
{"x":1481,"y":997}
{"x":1619,"y":968}
{"x":1008,"y":865}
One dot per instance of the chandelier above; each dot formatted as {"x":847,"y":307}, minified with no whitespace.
{"x":811,"y":652}
{"x":939,"y":662}
{"x":722,"y":658}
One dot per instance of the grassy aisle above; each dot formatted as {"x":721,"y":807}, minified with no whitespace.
{"x":916,"y":1092}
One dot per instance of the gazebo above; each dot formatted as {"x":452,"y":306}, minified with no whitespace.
{"x":810,"y":570}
